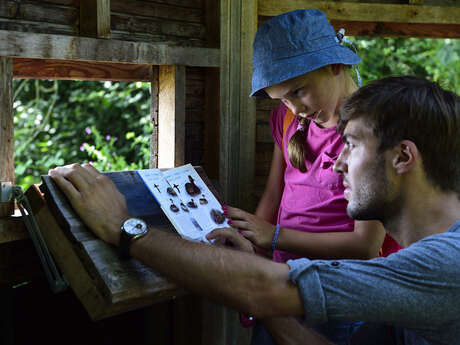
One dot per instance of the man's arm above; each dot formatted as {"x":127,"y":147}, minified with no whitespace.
{"x":289,"y":331}
{"x":243,"y":281}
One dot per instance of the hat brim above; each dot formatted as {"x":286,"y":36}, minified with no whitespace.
{"x":278,"y":71}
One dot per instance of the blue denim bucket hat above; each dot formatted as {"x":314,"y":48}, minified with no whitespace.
{"x":292,"y":44}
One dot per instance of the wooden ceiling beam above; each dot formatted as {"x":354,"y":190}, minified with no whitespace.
{"x":60,"y":47}
{"x":50,"y":69}
{"x":367,"y":12}
{"x":398,"y":29}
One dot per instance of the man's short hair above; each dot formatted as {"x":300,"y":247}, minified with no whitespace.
{"x":412,"y":108}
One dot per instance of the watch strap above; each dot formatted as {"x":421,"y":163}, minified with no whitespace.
{"x":124,"y":245}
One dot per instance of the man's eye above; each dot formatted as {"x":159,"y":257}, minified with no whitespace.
{"x":350,"y":145}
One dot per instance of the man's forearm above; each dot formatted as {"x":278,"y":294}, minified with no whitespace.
{"x":289,"y":331}
{"x":243,"y":281}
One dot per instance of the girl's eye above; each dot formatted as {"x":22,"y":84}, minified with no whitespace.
{"x":299,"y":92}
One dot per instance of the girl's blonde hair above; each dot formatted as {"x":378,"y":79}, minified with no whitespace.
{"x":297,"y":147}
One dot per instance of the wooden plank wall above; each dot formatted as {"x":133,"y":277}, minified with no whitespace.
{"x":264,"y":144}
{"x":171,"y":21}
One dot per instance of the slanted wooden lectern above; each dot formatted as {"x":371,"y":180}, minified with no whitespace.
{"x":104,"y":284}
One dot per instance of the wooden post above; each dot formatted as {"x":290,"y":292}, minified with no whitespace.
{"x":95,"y":18}
{"x":154,"y":116}
{"x":6,"y":129}
{"x":238,"y":110}
{"x":211,"y":105}
{"x":171,"y":116}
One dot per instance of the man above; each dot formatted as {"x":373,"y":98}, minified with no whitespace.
{"x":401,"y":165}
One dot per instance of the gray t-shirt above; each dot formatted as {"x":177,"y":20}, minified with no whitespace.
{"x":417,"y":289}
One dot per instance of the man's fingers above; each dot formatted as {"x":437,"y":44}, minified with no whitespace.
{"x":67,"y":187}
{"x":218,"y":232}
{"x":91,"y":170}
{"x":76,"y":174}
{"x":248,"y":235}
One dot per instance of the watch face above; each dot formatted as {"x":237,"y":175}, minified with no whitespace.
{"x":134,"y":226}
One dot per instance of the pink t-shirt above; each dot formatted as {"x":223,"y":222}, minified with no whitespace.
{"x":312,"y":201}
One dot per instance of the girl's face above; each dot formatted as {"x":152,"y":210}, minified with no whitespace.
{"x":315,"y":95}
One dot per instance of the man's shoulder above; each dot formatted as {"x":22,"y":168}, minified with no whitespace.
{"x":455,"y":227}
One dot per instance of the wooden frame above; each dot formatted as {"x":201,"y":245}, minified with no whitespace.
{"x":237,"y":108}
{"x":6,"y":129}
{"x":45,"y":56}
{"x":171,"y":123}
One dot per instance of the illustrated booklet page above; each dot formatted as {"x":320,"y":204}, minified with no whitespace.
{"x":186,"y":200}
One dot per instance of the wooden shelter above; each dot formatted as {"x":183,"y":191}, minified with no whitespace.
{"x":197,"y":55}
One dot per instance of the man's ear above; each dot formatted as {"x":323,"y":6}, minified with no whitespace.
{"x":406,"y":156}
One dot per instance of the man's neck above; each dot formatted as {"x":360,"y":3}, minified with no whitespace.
{"x":425,"y":214}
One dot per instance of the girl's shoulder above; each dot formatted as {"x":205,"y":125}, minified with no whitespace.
{"x":277,"y":116}
{"x":279,"y":112}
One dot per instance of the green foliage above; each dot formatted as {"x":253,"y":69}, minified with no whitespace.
{"x":52,"y":120}
{"x":435,"y":59}
{"x":107,"y":123}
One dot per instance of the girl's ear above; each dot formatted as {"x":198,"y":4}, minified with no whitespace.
{"x":406,"y":156}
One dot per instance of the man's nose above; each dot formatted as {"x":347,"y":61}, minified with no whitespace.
{"x":340,"y":165}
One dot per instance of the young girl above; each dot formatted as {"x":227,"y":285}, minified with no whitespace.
{"x":299,"y":60}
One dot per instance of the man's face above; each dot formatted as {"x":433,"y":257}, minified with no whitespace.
{"x":369,"y":189}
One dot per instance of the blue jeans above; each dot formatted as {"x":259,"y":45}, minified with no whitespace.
{"x":338,"y":332}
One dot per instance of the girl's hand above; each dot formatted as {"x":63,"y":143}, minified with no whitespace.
{"x":229,"y":237}
{"x":255,"y":229}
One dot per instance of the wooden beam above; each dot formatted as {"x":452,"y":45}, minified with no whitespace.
{"x":247,"y":107}
{"x":367,"y":12}
{"x":211,"y":123}
{"x":50,"y":69}
{"x":212,"y":96}
{"x":398,"y":29}
{"x":6,"y":130}
{"x":95,"y":18}
{"x":154,"y":90}
{"x":171,"y":116}
{"x":239,"y":25}
{"x":44,"y":46}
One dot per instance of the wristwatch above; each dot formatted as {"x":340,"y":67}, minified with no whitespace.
{"x":132,"y":229}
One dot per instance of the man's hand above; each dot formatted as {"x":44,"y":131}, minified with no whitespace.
{"x":255,"y":229}
{"x":229,"y":237}
{"x":94,"y":197}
